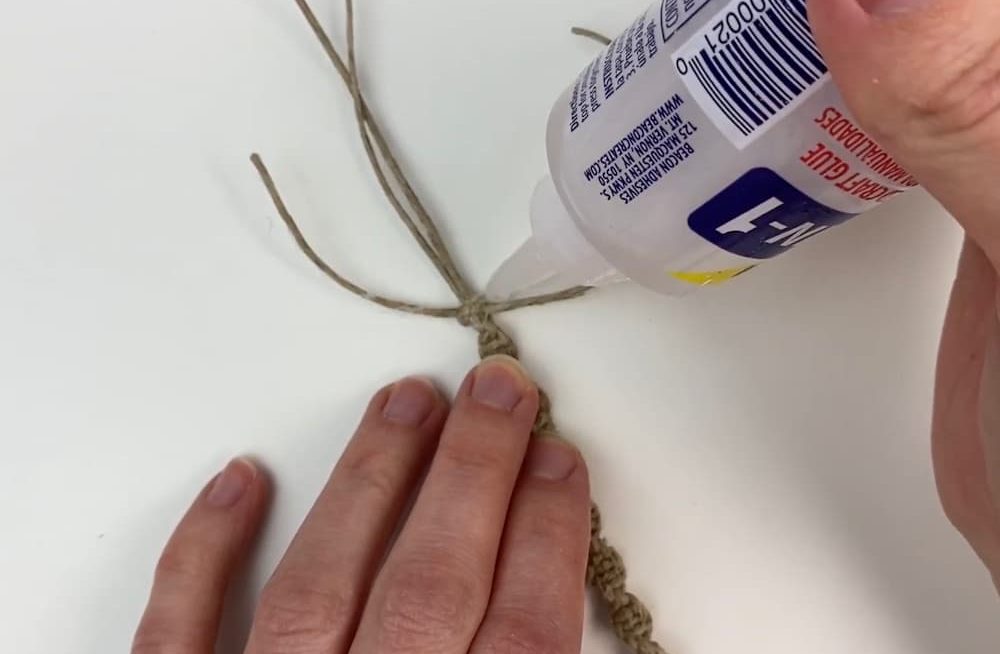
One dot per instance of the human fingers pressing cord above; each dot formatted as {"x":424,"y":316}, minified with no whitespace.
{"x":492,"y":556}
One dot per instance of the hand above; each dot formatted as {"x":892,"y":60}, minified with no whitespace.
{"x":491,"y":557}
{"x":923,"y":77}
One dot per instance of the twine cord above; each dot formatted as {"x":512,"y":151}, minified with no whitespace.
{"x":629,"y":617}
{"x":591,"y":34}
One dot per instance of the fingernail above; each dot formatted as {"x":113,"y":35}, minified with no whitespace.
{"x":231,"y":484}
{"x":891,"y":7}
{"x":410,"y":401}
{"x":499,"y":382}
{"x":551,"y":459}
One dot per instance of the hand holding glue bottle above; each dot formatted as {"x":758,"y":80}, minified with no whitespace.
{"x":710,"y":137}
{"x":706,"y":139}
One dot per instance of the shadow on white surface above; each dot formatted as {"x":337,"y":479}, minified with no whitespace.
{"x":859,"y":448}
{"x":811,"y":440}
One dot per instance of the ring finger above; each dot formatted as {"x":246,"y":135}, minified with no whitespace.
{"x":538,"y":593}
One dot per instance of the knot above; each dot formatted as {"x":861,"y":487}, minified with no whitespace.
{"x":476,"y":313}
{"x":544,"y":424}
{"x":606,"y":571}
{"x":630,"y":618}
{"x":632,"y":621}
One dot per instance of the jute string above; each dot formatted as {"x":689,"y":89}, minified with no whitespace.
{"x":629,"y":617}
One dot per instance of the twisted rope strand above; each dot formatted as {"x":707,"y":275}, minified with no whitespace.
{"x":319,"y":262}
{"x":630,"y":619}
{"x":431,"y":240}
{"x":397,"y":305}
{"x":591,"y":34}
{"x":439,"y":254}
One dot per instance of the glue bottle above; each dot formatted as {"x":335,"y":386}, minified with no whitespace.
{"x":703,"y":141}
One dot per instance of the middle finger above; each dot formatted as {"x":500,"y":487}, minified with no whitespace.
{"x":433,"y":590}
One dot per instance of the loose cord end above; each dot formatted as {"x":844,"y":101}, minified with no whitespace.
{"x":591,"y":34}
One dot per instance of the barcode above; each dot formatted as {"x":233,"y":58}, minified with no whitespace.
{"x":752,"y":64}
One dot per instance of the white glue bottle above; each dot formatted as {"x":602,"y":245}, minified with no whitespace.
{"x":706,"y":139}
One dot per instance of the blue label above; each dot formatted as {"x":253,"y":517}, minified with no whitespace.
{"x":761,"y":215}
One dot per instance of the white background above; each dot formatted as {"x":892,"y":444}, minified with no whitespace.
{"x":761,"y":451}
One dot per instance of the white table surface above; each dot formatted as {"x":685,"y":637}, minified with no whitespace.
{"x":761,"y":451}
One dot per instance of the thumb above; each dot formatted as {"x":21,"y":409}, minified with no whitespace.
{"x":923,"y":77}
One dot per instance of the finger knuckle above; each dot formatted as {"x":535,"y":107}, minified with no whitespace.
{"x":370,"y":471}
{"x":474,"y":459}
{"x":562,"y":527}
{"x":429,"y":606}
{"x":560,"y":513}
{"x":957,"y":113}
{"x":964,"y":96}
{"x":296,"y":616}
{"x":520,"y":631}
{"x":182,"y":564}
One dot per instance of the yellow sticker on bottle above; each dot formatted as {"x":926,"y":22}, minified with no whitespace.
{"x":710,"y":277}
